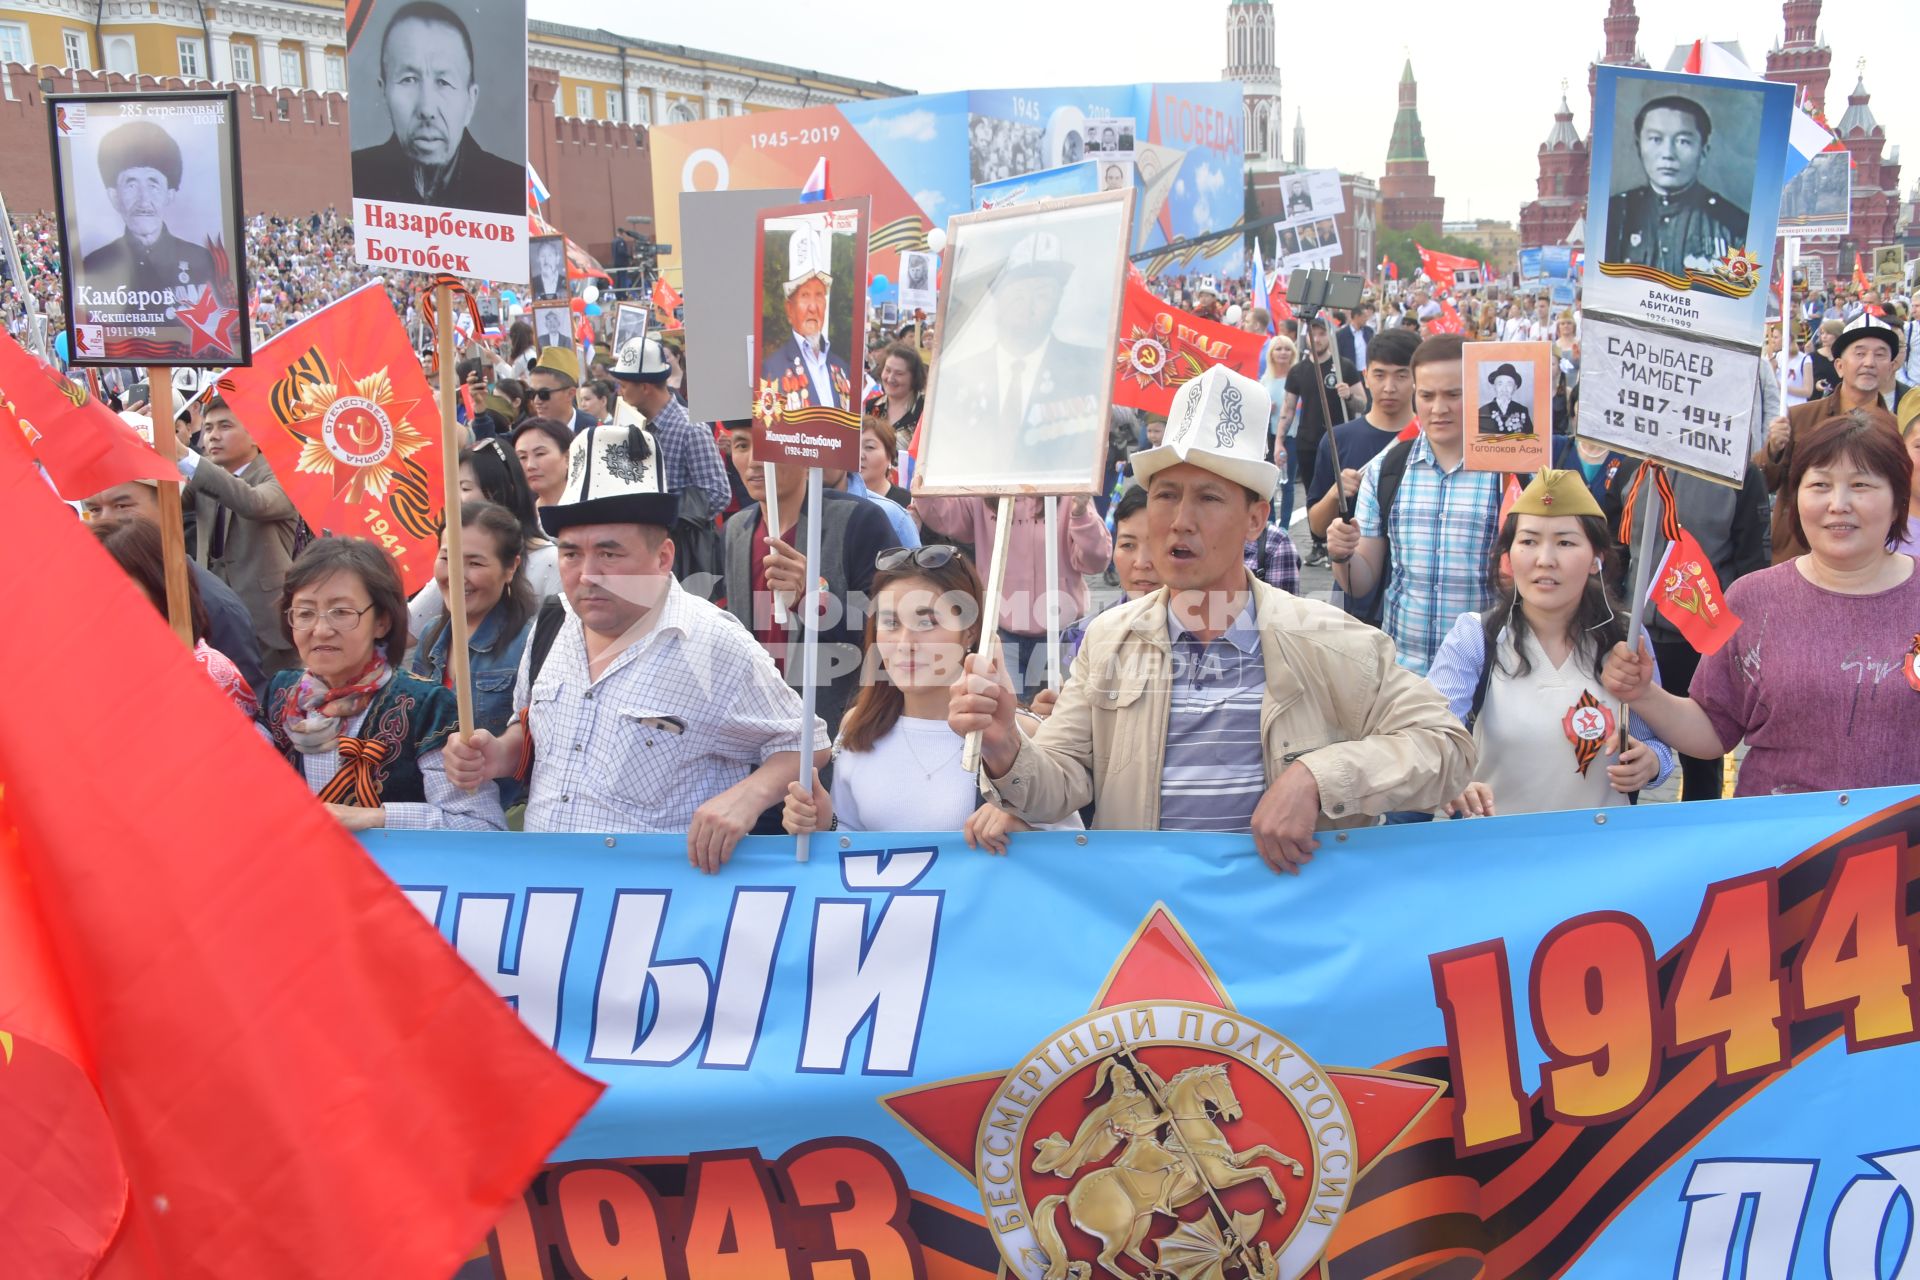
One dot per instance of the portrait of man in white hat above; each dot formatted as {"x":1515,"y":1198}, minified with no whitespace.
{"x":806,"y":368}
{"x":1033,"y":396}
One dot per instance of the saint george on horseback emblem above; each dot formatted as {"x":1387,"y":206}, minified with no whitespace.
{"x":1166,"y":1135}
{"x":1183,"y":1153}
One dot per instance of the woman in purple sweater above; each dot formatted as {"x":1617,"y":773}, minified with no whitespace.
{"x":1822,"y":679}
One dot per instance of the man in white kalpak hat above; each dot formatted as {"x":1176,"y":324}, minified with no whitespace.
{"x":1219,"y":703}
{"x":803,"y":369}
{"x":649,"y":709}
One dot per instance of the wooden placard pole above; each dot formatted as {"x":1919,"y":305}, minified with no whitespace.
{"x":173,"y":537}
{"x":810,"y":651}
{"x":456,"y":594}
{"x":1052,"y":596}
{"x":990,"y":613}
{"x":1791,"y":261}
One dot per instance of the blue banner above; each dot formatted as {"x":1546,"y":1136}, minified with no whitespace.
{"x":1664,"y":1040}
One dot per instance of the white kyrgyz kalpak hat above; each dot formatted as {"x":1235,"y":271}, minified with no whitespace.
{"x":809,"y":257}
{"x":1206,"y":284}
{"x":1867,"y":325}
{"x":1219,"y":422}
{"x":614,"y":476}
{"x":641,"y":360}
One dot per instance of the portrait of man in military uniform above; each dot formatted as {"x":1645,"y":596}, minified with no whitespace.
{"x":805,"y":368}
{"x":1672,"y":221}
{"x":1507,"y":413}
{"x":140,"y":163}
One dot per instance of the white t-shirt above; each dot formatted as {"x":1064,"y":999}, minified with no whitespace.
{"x":910,"y":781}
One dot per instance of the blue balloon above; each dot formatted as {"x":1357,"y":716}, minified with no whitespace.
{"x":593,"y":308}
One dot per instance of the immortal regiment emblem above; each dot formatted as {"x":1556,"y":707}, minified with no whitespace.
{"x":1588,"y":724}
{"x":357,"y":433}
{"x":1166,"y":1133}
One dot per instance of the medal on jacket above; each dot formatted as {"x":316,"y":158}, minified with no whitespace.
{"x":1588,"y":724}
{"x":1911,"y":665}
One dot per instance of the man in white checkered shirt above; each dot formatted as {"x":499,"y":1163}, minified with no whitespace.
{"x":652,"y":710}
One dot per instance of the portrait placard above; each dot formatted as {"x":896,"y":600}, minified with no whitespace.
{"x":1819,"y":199}
{"x":1656,"y":394}
{"x":552,"y":326}
{"x":629,"y":324}
{"x":1512,"y":386}
{"x":1889,"y":266}
{"x":810,"y":281}
{"x":919,"y":272}
{"x":1686,"y":183}
{"x":437,"y":120}
{"x":1028,"y":323}
{"x":149,"y":211}
{"x":547,"y":274}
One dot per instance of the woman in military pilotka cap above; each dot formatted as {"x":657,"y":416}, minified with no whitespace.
{"x":1524,"y":676}
{"x":140,"y":164}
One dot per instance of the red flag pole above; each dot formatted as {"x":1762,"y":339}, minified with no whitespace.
{"x":173,"y":537}
{"x":456,"y":561}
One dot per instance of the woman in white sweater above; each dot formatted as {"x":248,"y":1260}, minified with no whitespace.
{"x":896,"y":766}
{"x":1524,"y":676}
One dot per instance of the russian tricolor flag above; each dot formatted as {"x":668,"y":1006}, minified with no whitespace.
{"x":816,"y":188}
{"x":537,"y":193}
{"x":1806,"y":139}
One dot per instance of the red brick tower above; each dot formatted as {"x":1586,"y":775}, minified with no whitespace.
{"x":1802,"y":59}
{"x":1562,"y":194}
{"x":1406,"y":192}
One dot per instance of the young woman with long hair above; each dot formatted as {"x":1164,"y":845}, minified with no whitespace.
{"x":1524,"y":676}
{"x":897,"y":764}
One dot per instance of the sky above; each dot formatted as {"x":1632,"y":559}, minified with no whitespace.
{"x":1488,"y":86}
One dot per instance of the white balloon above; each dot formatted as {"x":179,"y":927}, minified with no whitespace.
{"x":937,"y":239}
{"x":591,"y":293}
{"x":515,"y":311}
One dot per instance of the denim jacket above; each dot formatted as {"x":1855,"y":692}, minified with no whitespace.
{"x":493,"y":664}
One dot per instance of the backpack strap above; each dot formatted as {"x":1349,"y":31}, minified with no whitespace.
{"x":1480,"y":686}
{"x":546,"y":626}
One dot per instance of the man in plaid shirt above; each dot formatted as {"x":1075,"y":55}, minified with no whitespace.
{"x":1440,"y":532}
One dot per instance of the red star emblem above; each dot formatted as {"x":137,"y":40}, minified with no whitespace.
{"x":210,"y":324}
{"x":1167,"y":1129}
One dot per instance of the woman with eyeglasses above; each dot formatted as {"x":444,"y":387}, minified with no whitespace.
{"x":365,"y":735}
{"x":897,"y":764}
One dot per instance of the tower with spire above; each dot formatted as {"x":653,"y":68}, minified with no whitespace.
{"x":1406,"y":191}
{"x":1299,"y":139}
{"x":1802,"y":59}
{"x":1251,"y":54}
{"x":1561,"y":196}
{"x":1622,"y":49}
{"x":1876,"y":175}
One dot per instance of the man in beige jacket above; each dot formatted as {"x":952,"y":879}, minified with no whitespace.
{"x":1219,"y":703}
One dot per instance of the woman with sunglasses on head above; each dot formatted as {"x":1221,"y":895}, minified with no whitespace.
{"x":490,"y":472}
{"x":897,"y":764}
{"x":366,"y":736}
{"x":1524,"y":677}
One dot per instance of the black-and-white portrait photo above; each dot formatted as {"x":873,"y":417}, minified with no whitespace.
{"x":1327,"y":233}
{"x":1028,"y":324}
{"x":1682,"y":168}
{"x":999,"y":149}
{"x":919,"y":290}
{"x":1289,"y":242}
{"x":548,"y":258}
{"x":1108,"y":136}
{"x":438,"y":94}
{"x":1506,"y":399}
{"x":149,"y":214}
{"x":1299,"y":196}
{"x":629,"y":324}
{"x":552,"y":327}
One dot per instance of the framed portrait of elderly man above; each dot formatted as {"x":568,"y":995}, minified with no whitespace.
{"x":437,"y":120}
{"x":549,"y":263}
{"x":629,"y":325}
{"x":1685,"y":196}
{"x":152,"y":260}
{"x":1509,"y":385}
{"x":1029,"y":320}
{"x":810,"y":338}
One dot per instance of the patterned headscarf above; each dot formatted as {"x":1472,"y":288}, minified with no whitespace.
{"x":312,"y":710}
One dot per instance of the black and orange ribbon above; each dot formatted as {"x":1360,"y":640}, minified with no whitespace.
{"x":357,"y":781}
{"x":1663,"y":485}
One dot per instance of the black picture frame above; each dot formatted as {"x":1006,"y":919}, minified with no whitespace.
{"x":170,"y":352}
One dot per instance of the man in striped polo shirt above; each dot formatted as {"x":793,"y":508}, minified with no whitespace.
{"x":1219,"y":703}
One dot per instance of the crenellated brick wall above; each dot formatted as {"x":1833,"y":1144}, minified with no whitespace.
{"x":294,"y":152}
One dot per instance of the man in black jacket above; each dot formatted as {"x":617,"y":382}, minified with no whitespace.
{"x":427,"y":83}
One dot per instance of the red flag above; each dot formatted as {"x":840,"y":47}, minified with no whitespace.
{"x":83,"y":444}
{"x":1687,"y":593}
{"x":1277,"y":305}
{"x":1448,"y":321}
{"x":344,"y":416}
{"x":1161,"y":348}
{"x":1860,"y":282}
{"x":666,"y":298}
{"x":298,"y":1077}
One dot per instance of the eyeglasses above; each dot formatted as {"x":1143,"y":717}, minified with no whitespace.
{"x":928,"y":557}
{"x":542,"y":393}
{"x":305,"y":618}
